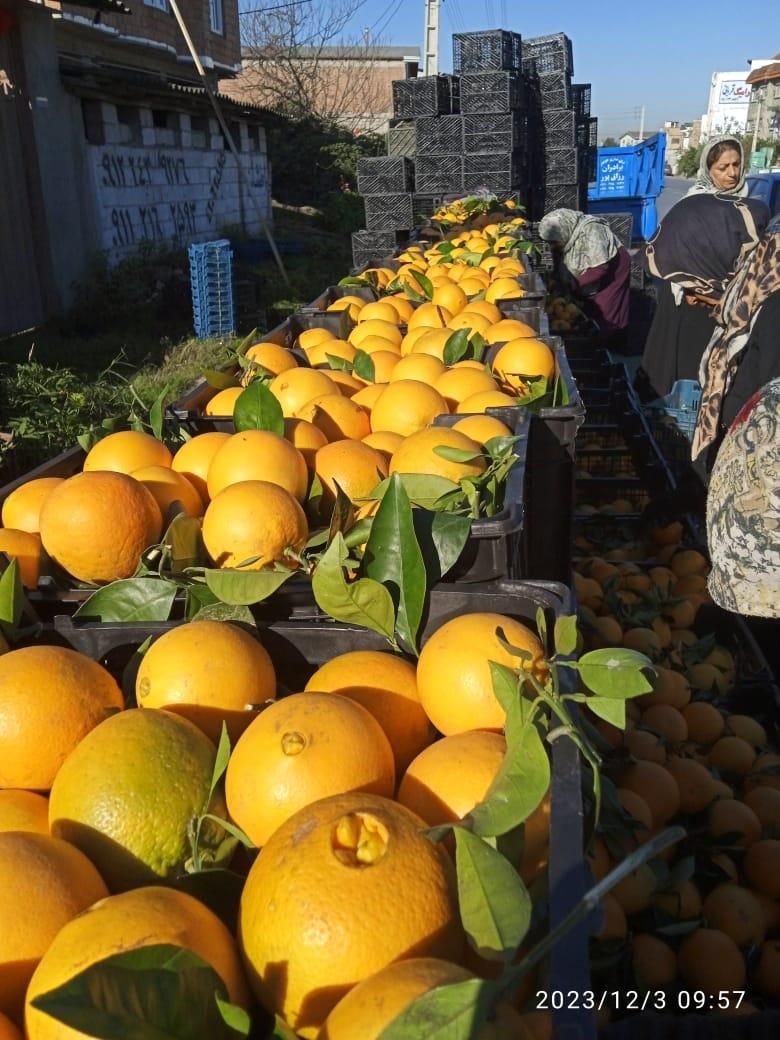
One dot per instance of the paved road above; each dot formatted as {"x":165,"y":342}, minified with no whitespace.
{"x":674,"y":189}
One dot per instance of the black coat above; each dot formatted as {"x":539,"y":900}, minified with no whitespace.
{"x":759,"y":362}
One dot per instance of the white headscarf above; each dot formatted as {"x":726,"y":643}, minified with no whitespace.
{"x":704,"y":182}
{"x":587,"y":241}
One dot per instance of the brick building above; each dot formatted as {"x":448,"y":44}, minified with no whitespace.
{"x":108,"y":141}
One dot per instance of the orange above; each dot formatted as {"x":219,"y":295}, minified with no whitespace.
{"x":406,"y":407}
{"x":148,"y":917}
{"x":471,"y":321}
{"x":432,"y":343}
{"x":38,"y":685}
{"x":598,"y":858}
{"x":127,"y":795}
{"x":522,"y":358}
{"x":729,"y":817}
{"x":746,"y":727}
{"x":695,"y":782}
{"x":638,"y":809}
{"x":8,"y":1030}
{"x":296,"y":387}
{"x":22,"y":509}
{"x":384,"y":442}
{"x":44,"y":883}
{"x":401,"y":305}
{"x":705,"y":722}
{"x":668,"y":688}
{"x":345,"y":383}
{"x":459,"y":383}
{"x":96,"y":525}
{"x":23,"y":811}
{"x":680,"y":900}
{"x":687,"y":562}
{"x":254,"y":521}
{"x":360,"y":850}
{"x":367,"y":396}
{"x":453,"y":672}
{"x":382,"y":310}
{"x":330,"y":348}
{"x":337,"y":417}
{"x":657,"y":786}
{"x":271,"y":357}
{"x":767,"y":972}
{"x":762,"y":867}
{"x":765,"y":803}
{"x":447,"y":779}
{"x":654,"y":963}
{"x":735,"y":910}
{"x":386,"y":686}
{"x":411,"y":339}
{"x":430,"y":315}
{"x":732,"y":755}
{"x":472,"y":285}
{"x":259,"y":455}
{"x":223,"y":402}
{"x":666,"y":721}
{"x":306,"y":437}
{"x":194,"y":457}
{"x":373,"y":1004}
{"x":450,"y":297}
{"x":424,"y":368}
{"x":25,"y":548}
{"x":300,"y":749}
{"x":172,"y":492}
{"x":209,"y":672}
{"x":384,"y":365}
{"x":418,"y":454}
{"x":369,"y":329}
{"x":482,"y":428}
{"x":125,"y":451}
{"x":484,"y":309}
{"x":614,"y":924}
{"x":765,"y":772}
{"x":311,"y":337}
{"x":379,"y":345}
{"x":710,"y":961}
{"x":355,"y":467}
{"x":479,"y":403}
{"x":504,"y":288}
{"x":506,"y":330}
{"x":635,"y":891}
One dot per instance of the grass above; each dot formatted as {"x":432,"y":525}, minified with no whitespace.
{"x":128,"y":337}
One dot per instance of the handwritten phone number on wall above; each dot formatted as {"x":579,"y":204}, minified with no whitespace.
{"x":637,"y":1000}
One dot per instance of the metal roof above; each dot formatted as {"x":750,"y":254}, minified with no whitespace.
{"x":107,"y":6}
{"x":357,"y":50}
{"x":765,"y":74}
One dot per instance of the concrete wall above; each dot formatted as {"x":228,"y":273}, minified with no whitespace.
{"x":173,"y":194}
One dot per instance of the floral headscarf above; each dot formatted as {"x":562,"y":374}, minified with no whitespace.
{"x":757,"y":279}
{"x":587,"y":241}
{"x":704,"y":182}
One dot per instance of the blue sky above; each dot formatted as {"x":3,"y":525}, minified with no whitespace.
{"x":658,"y":53}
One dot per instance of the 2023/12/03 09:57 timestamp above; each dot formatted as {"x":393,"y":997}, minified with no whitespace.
{"x":628,"y":1000}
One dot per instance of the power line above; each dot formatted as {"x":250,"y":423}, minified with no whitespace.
{"x":277,"y":7}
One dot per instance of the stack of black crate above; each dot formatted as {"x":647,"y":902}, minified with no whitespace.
{"x":567,"y":134}
{"x":497,"y":117}
{"x":426,"y":131}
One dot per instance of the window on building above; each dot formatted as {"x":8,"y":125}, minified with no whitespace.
{"x":161,"y":5}
{"x":129,"y":124}
{"x":199,"y":131}
{"x":216,"y":17}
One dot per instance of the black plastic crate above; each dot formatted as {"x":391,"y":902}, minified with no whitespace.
{"x":563,"y":196}
{"x":638,"y":273}
{"x":438,"y":174}
{"x":562,"y":166}
{"x":389,"y":212}
{"x":542,"y":256}
{"x":551,"y":53}
{"x":587,"y":132}
{"x":402,"y":139}
{"x":424,"y":206}
{"x":559,"y":128}
{"x":555,"y":90}
{"x":442,"y":135}
{"x":496,"y":132}
{"x":337,"y":292}
{"x":384,"y":175}
{"x":426,"y":96}
{"x":580,"y":98}
{"x":588,"y":158}
{"x":612,"y":497}
{"x":492,"y":92}
{"x":372,"y":245}
{"x":495,"y":171}
{"x":621,"y":225}
{"x":491,"y":51}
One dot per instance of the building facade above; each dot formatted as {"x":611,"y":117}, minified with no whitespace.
{"x":729,"y":101}
{"x":679,"y":138}
{"x":764,"y":107}
{"x":108,"y":142}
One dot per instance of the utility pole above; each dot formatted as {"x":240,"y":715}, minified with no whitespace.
{"x":642,"y":124}
{"x":431,"y":38}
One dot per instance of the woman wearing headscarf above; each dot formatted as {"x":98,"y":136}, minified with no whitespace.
{"x":694,"y":255}
{"x":744,"y":352}
{"x":721,"y":168}
{"x":595,"y":264}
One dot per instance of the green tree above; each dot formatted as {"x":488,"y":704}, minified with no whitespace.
{"x":609,"y":142}
{"x":689,"y":162}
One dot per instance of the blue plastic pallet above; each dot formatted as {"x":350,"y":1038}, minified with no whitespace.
{"x":211,"y":277}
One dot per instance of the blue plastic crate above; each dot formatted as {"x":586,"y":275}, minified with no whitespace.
{"x":211,"y":277}
{"x":643,"y":211}
{"x":673,"y":420}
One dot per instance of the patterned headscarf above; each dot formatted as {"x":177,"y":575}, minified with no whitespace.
{"x":587,"y":241}
{"x":704,"y":182}
{"x":756,"y":280}
{"x":743,"y":510}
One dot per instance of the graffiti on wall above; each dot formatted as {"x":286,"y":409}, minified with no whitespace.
{"x":173,"y":195}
